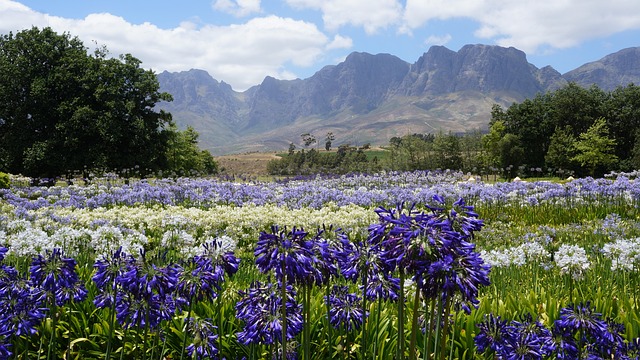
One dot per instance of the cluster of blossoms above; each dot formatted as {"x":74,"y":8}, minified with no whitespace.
{"x":572,"y":260}
{"x":579,"y":333}
{"x":143,"y":295}
{"x":527,"y":252}
{"x":385,"y":188}
{"x":434,"y":248}
{"x":624,"y":254}
{"x":25,"y":302}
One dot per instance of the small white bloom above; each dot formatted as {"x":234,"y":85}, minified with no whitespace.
{"x":573,"y":260}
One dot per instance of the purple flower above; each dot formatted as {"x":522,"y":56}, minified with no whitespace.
{"x":583,"y":318}
{"x":345,"y":308}
{"x":493,"y":335}
{"x":21,"y":308}
{"x":204,"y":338}
{"x":108,"y":273}
{"x":289,"y":254}
{"x":260,"y":308}
{"x":197,"y":279}
{"x":57,"y":276}
{"x":5,"y":353}
{"x":221,"y":253}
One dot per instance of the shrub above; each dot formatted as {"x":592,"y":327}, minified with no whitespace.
{"x":4,"y":181}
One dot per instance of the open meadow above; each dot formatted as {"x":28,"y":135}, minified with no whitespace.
{"x":404,"y":265}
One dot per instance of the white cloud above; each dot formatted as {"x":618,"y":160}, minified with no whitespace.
{"x":438,"y":40}
{"x":531,"y":25}
{"x":238,"y":8}
{"x":340,"y":42}
{"x":240,"y":54}
{"x":371,"y":15}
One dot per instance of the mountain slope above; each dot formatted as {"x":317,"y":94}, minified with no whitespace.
{"x":371,"y":98}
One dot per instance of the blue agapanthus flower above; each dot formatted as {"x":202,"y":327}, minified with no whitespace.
{"x":22,"y":308}
{"x":345,"y":309}
{"x":493,"y":334}
{"x":288,"y":253}
{"x":221,"y":253}
{"x":108,"y":275}
{"x":204,"y":339}
{"x":261,"y":310}
{"x":57,"y":276}
{"x":198,"y":280}
{"x":5,"y":353}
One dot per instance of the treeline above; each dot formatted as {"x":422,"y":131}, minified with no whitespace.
{"x":571,"y":131}
{"x":346,"y":159}
{"x":410,"y":152}
{"x":65,"y":111}
{"x":586,"y":131}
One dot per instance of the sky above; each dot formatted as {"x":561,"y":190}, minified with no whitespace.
{"x":241,"y":42}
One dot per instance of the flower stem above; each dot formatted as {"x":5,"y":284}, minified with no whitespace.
{"x":400,"y":345}
{"x":414,"y":326}
{"x":284,"y":310}
{"x":184,"y":327}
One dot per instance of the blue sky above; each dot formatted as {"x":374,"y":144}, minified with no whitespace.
{"x":242,"y":41}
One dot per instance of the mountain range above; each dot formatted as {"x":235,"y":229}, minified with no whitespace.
{"x":372,"y":98}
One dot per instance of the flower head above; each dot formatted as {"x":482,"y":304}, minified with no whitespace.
{"x":344,"y":308}
{"x":260,"y":309}
{"x":57,"y":276}
{"x":204,"y":338}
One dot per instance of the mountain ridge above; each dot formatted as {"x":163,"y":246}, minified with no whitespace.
{"x":370,"y":98}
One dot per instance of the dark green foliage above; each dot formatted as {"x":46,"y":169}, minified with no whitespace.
{"x":5,"y":182}
{"x":63,"y":110}
{"x":346,"y":159}
{"x":549,"y":126}
{"x":184,"y":157}
{"x":439,"y":151}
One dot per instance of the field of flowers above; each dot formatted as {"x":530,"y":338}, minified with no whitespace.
{"x":392,"y":265}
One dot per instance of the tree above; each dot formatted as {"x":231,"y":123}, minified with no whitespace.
{"x":62,"y":109}
{"x":447,"y":150}
{"x":561,"y":149}
{"x":511,"y":155}
{"x":329,"y":140}
{"x":183,"y":155}
{"x":595,"y":149}
{"x":491,"y":144}
{"x":308,"y":139}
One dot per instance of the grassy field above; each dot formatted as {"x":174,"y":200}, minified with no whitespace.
{"x":254,"y":163}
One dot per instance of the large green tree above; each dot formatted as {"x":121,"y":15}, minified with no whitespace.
{"x":595,"y":149}
{"x":62,"y":109}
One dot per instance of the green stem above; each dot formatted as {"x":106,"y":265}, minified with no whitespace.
{"x":400,"y":347}
{"x":284,"y":310}
{"x":427,"y":334}
{"x":438,"y":326}
{"x":445,"y":331}
{"x":112,"y":320}
{"x":329,"y":327}
{"x":184,"y":327}
{"x":364,"y":315}
{"x":375,"y":348}
{"x":414,"y":326}
{"x":52,"y":341}
{"x":307,"y":322}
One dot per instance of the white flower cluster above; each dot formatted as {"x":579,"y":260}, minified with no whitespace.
{"x":573,"y":260}
{"x":624,"y":254}
{"x":108,"y":238}
{"x":528,"y":252}
{"x":180,"y":240}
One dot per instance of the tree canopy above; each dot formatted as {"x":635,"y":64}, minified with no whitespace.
{"x":586,"y":131}
{"x":63,"y":109}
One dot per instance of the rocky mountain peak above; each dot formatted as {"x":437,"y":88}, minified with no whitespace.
{"x":375,"y":97}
